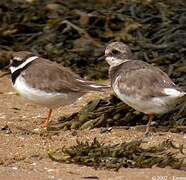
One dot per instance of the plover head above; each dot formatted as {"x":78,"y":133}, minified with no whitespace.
{"x":117,"y":53}
{"x":20,"y":59}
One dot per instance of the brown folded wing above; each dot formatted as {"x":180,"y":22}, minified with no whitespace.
{"x":52,"y":77}
{"x":144,"y":83}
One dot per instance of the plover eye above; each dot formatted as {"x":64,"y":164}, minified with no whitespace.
{"x":114,"y":51}
{"x":15,"y":62}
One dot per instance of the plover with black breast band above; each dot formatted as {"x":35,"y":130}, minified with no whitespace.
{"x":142,"y":86}
{"x":47,"y":83}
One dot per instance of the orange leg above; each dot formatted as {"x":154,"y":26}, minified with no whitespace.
{"x":45,"y":124}
{"x":149,"y":123}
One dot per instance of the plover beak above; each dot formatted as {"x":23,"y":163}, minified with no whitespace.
{"x":101,"y":58}
{"x":6,"y":68}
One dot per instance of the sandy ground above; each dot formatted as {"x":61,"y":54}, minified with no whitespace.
{"x":23,"y":153}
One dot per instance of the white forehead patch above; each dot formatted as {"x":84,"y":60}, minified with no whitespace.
{"x":30,"y":59}
{"x":107,"y":51}
{"x":17,"y":58}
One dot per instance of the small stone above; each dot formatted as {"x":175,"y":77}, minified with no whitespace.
{"x":105,"y":130}
{"x":6,"y":129}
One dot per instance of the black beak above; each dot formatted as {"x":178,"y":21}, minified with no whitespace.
{"x":101,"y":58}
{"x":6,"y":68}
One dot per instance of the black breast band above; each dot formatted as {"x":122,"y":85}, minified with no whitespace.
{"x":16,"y":73}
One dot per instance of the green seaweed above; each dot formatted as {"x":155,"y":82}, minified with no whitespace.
{"x":111,"y":112}
{"x":127,"y":154}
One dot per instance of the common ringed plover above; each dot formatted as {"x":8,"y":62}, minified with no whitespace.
{"x":142,"y":86}
{"x":47,"y":83}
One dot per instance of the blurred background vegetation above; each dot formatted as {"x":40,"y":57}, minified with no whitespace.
{"x":75,"y":32}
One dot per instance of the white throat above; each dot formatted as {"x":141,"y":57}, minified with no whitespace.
{"x":113,"y":61}
{"x":30,"y":59}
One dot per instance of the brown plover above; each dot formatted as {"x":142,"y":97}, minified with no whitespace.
{"x":47,"y":83}
{"x":142,"y":86}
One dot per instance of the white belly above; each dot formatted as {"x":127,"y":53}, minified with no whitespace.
{"x":51,"y":100}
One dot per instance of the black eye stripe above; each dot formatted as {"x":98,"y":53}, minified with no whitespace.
{"x":15,"y":63}
{"x":114,"y":51}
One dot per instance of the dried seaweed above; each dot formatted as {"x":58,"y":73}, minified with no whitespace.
{"x":127,"y":154}
{"x":111,"y":112}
